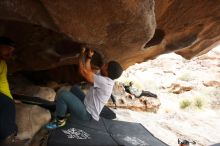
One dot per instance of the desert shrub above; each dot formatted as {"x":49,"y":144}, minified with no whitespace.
{"x":185,"y":103}
{"x":198,"y":102}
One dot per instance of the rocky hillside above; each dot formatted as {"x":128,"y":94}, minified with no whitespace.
{"x":189,"y":93}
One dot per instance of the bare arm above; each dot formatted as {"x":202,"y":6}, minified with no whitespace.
{"x":85,"y":67}
{"x":88,"y":59}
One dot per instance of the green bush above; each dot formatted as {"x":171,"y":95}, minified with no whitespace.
{"x":185,"y":103}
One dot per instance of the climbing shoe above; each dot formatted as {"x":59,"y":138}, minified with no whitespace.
{"x":56,"y":124}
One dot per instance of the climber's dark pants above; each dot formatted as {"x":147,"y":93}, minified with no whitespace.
{"x":7,"y":117}
{"x":72,"y":101}
{"x":148,"y":94}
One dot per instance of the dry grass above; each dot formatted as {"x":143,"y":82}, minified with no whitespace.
{"x":199,"y":102}
{"x":185,"y":103}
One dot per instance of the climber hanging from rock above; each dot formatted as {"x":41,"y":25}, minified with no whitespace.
{"x":87,"y":107}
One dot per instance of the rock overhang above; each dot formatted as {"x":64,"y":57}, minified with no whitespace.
{"x":49,"y":34}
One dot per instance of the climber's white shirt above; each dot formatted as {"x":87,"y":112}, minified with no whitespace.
{"x":98,"y":95}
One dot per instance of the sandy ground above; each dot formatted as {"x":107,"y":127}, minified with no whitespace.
{"x":202,"y":127}
{"x":171,"y":122}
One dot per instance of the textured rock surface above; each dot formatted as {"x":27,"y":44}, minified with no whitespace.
{"x":30,"y":119}
{"x":49,"y":35}
{"x":211,"y":84}
{"x":191,"y":27}
{"x":21,"y":85}
{"x":146,"y":104}
{"x":178,"y":89}
{"x":126,"y":101}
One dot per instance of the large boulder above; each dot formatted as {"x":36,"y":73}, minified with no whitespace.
{"x":21,"y":85}
{"x":51,"y":33}
{"x":30,"y":119}
{"x":128,"y":101}
{"x":191,"y":28}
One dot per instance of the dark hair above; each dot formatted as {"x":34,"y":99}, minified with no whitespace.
{"x":7,"y":41}
{"x":114,"y":70}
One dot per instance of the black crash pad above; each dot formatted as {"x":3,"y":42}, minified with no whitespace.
{"x":103,"y":133}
